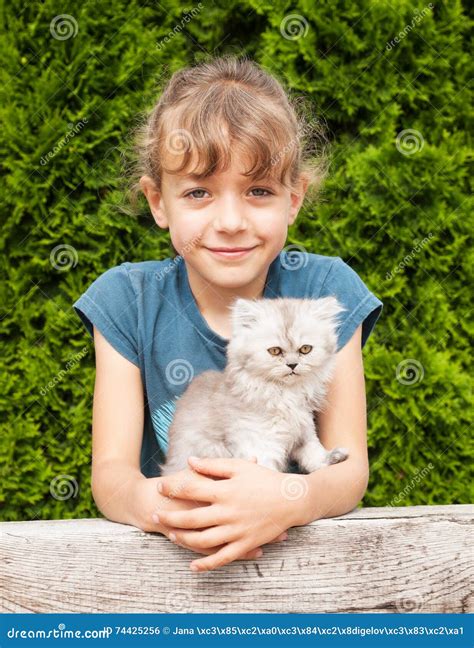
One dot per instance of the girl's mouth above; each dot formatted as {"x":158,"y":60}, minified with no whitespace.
{"x":237,"y":253}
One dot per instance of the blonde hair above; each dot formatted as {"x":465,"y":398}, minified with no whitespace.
{"x":209,"y":110}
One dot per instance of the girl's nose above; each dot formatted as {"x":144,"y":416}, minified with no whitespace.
{"x":230,"y":218}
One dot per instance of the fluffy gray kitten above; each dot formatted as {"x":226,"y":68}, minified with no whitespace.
{"x":280,"y":360}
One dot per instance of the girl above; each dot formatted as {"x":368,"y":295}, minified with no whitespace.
{"x":223,"y":166}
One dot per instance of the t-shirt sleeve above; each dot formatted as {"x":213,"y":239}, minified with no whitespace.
{"x":110,"y":304}
{"x":362,"y":306}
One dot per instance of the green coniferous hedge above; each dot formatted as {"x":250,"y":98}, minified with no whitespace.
{"x":391,"y":83}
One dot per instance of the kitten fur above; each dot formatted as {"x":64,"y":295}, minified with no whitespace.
{"x":260,"y":406}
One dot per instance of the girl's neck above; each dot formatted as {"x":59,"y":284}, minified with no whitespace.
{"x":214,"y":301}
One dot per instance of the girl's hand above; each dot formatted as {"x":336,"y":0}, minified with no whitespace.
{"x":149,"y":501}
{"x":248,"y":506}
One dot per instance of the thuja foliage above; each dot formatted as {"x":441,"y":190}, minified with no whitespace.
{"x":389,"y":82}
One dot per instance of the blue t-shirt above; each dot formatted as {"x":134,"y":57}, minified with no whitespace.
{"x":148,"y":313}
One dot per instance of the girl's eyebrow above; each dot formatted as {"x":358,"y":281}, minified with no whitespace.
{"x":192,"y":177}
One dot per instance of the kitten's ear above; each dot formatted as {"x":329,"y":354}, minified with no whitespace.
{"x":326,"y":308}
{"x":244,"y":313}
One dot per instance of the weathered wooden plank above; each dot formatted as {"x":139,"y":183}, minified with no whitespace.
{"x":399,"y":559}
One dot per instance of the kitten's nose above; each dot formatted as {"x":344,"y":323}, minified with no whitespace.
{"x":292,"y":366}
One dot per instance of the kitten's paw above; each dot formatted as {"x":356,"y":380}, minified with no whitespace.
{"x":337,"y":455}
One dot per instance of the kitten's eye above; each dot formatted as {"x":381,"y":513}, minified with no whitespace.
{"x":274,"y":351}
{"x":306,"y":348}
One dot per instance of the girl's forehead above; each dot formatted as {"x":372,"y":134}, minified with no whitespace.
{"x":236,"y":173}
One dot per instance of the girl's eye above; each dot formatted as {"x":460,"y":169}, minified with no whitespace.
{"x":267,"y":192}
{"x":306,"y":348}
{"x":194,"y":191}
{"x":274,"y":351}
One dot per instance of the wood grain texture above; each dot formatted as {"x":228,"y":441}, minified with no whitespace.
{"x":404,"y":559}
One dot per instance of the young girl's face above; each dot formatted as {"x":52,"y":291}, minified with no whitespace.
{"x":226,"y":210}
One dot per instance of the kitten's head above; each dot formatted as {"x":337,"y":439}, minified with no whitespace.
{"x":283,"y":339}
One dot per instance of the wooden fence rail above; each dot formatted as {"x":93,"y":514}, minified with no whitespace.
{"x":404,"y":559}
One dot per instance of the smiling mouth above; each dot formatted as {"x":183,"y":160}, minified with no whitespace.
{"x":231,"y":253}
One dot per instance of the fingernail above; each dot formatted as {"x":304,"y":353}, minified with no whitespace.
{"x":259,"y":553}
{"x":172,"y":537}
{"x":160,"y":487}
{"x":194,"y":568}
{"x":285,"y":537}
{"x":194,"y":458}
{"x":155,"y":518}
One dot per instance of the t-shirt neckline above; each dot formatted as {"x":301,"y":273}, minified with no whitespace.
{"x":192,"y":311}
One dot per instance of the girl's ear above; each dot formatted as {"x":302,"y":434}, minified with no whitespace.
{"x":297,"y":198}
{"x":155,"y":201}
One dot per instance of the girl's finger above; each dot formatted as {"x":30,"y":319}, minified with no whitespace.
{"x":197,"y":518}
{"x":250,"y":555}
{"x":226,"y":555}
{"x":209,"y":538}
{"x":280,"y":538}
{"x":206,"y":539}
{"x":194,"y":490}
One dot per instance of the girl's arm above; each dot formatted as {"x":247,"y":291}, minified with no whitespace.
{"x":120,"y":490}
{"x":337,"y":489}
